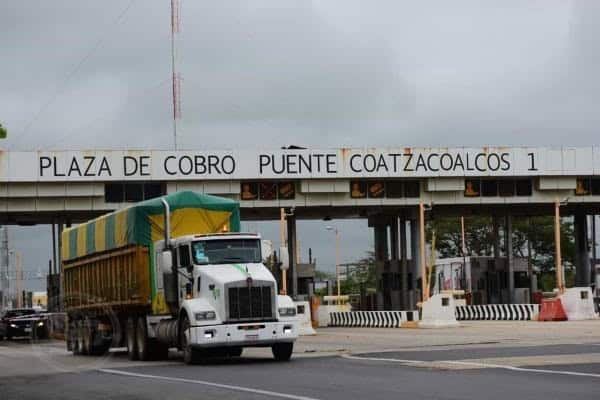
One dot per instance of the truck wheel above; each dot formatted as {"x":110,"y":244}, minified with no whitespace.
{"x":75,"y":343}
{"x":190,"y":355}
{"x":132,"y":351}
{"x":86,"y":337}
{"x":282,"y":351}
{"x":143,"y":343}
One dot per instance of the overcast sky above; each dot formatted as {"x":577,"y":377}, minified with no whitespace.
{"x":91,"y":74}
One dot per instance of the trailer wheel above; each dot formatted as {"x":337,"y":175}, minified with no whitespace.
{"x":132,"y":351}
{"x":282,"y":351}
{"x":86,"y":337}
{"x":190,"y":355}
{"x":75,"y":338}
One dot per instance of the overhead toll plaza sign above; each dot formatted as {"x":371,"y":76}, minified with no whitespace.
{"x":404,"y":162}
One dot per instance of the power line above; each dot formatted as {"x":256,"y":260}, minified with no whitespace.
{"x":74,"y":70}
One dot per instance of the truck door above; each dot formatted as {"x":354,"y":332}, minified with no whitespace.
{"x":184,"y":263}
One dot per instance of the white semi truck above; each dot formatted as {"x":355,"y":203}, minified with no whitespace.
{"x":197,"y":288}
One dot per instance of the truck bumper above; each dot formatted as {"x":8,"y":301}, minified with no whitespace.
{"x":259,"y":334}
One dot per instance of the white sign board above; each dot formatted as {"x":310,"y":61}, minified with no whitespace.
{"x":45,"y":166}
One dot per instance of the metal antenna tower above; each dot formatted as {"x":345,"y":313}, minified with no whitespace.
{"x":176,"y":77}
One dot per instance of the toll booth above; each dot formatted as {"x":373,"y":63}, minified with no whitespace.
{"x":483,"y":279}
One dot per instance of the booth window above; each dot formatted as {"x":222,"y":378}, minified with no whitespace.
{"x":113,"y":192}
{"x":394,"y":189}
{"x":376,"y":190}
{"x":472,"y":188}
{"x":595,"y":187}
{"x":249,"y":190}
{"x":489,"y":188}
{"x":412,"y":188}
{"x":583,"y":187}
{"x":287,"y":190}
{"x":358,"y":189}
{"x":506,"y":188}
{"x":524,"y":187}
{"x":268,"y":191}
{"x":119,"y":192}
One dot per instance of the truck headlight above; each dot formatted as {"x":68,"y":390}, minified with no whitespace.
{"x":287,"y":311}
{"x":205,"y":315}
{"x":41,"y":323}
{"x":13,"y":325}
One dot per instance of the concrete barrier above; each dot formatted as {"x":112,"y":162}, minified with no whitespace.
{"x":578,"y":303}
{"x":498,"y":312}
{"x":324,"y":312}
{"x":304,"y":320}
{"x":438,"y":312}
{"x":372,"y":319}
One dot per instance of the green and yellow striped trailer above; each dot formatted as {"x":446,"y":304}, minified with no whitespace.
{"x":108,"y":262}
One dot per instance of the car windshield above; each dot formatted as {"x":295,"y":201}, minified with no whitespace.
{"x":18,"y":313}
{"x":226,"y":251}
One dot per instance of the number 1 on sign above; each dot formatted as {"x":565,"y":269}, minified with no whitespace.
{"x":532,"y":162}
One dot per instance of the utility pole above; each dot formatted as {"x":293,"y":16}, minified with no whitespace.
{"x":424,"y":293}
{"x":558,"y":262}
{"x":283,"y":244}
{"x":4,"y":267}
{"x":19,"y":279}
{"x":176,"y":77}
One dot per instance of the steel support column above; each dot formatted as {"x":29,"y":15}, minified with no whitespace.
{"x":582,"y":251}
{"x":510,"y":260}
{"x":404,"y":263}
{"x":291,"y":240}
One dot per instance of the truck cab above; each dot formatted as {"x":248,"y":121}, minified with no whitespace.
{"x":228,"y":299}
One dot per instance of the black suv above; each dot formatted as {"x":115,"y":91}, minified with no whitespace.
{"x":21,"y":322}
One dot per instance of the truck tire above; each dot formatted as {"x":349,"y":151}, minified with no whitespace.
{"x":143,"y":343}
{"x":190,"y":355}
{"x":86,"y":337}
{"x":282,"y":351}
{"x":132,"y":351}
{"x":75,"y":343}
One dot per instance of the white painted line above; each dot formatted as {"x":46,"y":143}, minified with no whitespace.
{"x":206,"y":383}
{"x":476,"y":364}
{"x":520,"y":369}
{"x":395,"y":360}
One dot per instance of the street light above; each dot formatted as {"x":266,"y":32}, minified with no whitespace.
{"x":337,"y":258}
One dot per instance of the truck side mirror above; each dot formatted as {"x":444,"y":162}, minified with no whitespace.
{"x":166,"y":262}
{"x":284,"y":258}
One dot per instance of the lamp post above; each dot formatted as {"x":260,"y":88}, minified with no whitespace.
{"x":337,"y":258}
{"x":560,"y":283}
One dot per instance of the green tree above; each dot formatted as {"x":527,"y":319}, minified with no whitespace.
{"x":479,"y":238}
{"x":2,"y":132}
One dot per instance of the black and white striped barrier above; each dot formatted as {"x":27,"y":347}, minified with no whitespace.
{"x":372,"y":319}
{"x":498,"y":312}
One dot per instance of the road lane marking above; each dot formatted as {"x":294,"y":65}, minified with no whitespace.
{"x":476,"y":364}
{"x":212,"y":384}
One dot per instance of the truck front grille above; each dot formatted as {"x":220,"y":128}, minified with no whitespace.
{"x":250,"y":303}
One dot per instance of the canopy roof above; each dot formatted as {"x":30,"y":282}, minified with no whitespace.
{"x":143,"y":223}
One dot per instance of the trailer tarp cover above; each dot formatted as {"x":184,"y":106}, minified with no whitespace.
{"x":143,"y":223}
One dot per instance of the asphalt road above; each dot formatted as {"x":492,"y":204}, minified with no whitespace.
{"x":375,"y":375}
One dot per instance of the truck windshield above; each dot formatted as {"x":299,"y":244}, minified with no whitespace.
{"x":226,"y":251}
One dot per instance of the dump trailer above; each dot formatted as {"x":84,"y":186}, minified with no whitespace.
{"x":172,"y":272}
